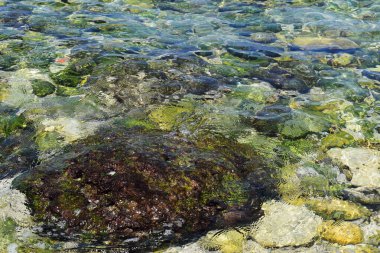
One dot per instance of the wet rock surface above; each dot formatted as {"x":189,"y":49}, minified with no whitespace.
{"x":132,"y":185}
{"x":285,"y":225}
{"x":136,"y":125}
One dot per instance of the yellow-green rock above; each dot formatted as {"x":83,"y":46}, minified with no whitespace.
{"x":341,"y":232}
{"x":337,"y":209}
{"x":315,"y":43}
{"x":228,"y":241}
{"x":338,"y":139}
{"x":168,"y":116}
{"x":342,"y":60}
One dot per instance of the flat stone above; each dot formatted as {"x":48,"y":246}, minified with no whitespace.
{"x":364,"y":195}
{"x":285,"y":225}
{"x":324,"y":44}
{"x":363,"y":163}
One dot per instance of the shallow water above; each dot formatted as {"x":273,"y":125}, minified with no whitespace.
{"x":189,"y":126}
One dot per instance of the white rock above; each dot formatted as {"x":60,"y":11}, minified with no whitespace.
{"x":12,"y":203}
{"x":188,"y":248}
{"x":364,"y":164}
{"x":285,"y":225}
{"x":254,"y":247}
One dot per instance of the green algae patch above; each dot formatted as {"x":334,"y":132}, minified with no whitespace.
{"x":139,"y":3}
{"x":10,"y":124}
{"x":231,"y":192}
{"x":42,"y":88}
{"x":225,"y":241}
{"x":140,"y":123}
{"x":303,"y":124}
{"x":337,"y":209}
{"x":68,"y":91}
{"x":67,"y":78}
{"x":169,"y":116}
{"x":7,"y":233}
{"x":339,"y":139}
{"x":341,"y":232}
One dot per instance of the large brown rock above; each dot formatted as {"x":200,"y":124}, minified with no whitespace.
{"x":128,"y":184}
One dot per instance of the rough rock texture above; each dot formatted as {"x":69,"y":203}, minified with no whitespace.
{"x":341,"y":232}
{"x":12,"y":203}
{"x":337,"y":209}
{"x":285,"y":225}
{"x":365,"y":195}
{"x":126,"y":184}
{"x":363,"y":163}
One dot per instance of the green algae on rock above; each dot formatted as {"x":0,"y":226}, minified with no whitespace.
{"x":337,"y":209}
{"x":143,"y":180}
{"x":42,"y":88}
{"x":341,"y":232}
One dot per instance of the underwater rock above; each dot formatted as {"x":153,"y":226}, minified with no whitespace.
{"x":138,"y":82}
{"x":12,"y":204}
{"x":338,"y":139}
{"x":225,"y":241}
{"x":364,"y":164}
{"x":267,"y":120}
{"x":260,"y":92}
{"x":302,"y":124}
{"x":253,"y":247}
{"x":285,"y":225}
{"x":337,"y":209}
{"x":42,"y":88}
{"x":269,"y":51}
{"x":263,"y":37}
{"x":375,"y":75}
{"x":297,"y":78}
{"x":333,"y":45}
{"x":123,"y":184}
{"x":18,"y":151}
{"x":364,"y":195}
{"x":341,"y":60}
{"x":341,"y":232}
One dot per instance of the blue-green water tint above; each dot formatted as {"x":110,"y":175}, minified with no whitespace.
{"x":271,"y":88}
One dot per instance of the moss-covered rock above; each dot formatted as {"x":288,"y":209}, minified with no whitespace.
{"x":172,"y":115}
{"x":337,"y":209}
{"x":338,"y":139}
{"x":124,"y":184}
{"x":10,"y":124}
{"x":66,"y":77}
{"x":68,"y":91}
{"x":225,"y":241}
{"x":341,"y":232}
{"x":302,"y":124}
{"x":42,"y":88}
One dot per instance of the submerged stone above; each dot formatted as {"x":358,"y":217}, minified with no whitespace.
{"x":364,"y":195}
{"x":337,"y":209}
{"x":341,"y":232}
{"x":363,"y":163}
{"x":285,"y":225}
{"x":375,"y":75}
{"x":324,"y":44}
{"x":225,"y":241}
{"x":42,"y":88}
{"x":263,"y":37}
{"x":123,"y":185}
